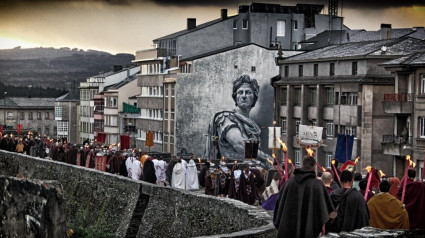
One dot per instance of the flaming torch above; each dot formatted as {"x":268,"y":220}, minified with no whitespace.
{"x":234,"y":166}
{"x":382,"y":174}
{"x":405,"y":177}
{"x":290,"y":161}
{"x":369,"y":170}
{"x":278,"y":165}
{"x":310,"y":152}
{"x":200,"y":165}
{"x":335,"y":171}
{"x":357,"y":160}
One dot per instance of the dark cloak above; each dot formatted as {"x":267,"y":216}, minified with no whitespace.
{"x":169,"y":170}
{"x":202,"y":175}
{"x":71,"y":156}
{"x":353,"y":212}
{"x":149,"y":172}
{"x":414,"y":201}
{"x":303,"y":206}
{"x":115,"y":164}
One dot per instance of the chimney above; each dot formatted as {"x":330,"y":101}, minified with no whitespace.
{"x":191,"y":23}
{"x":386,"y":31}
{"x":117,"y":68}
{"x":223,"y":14}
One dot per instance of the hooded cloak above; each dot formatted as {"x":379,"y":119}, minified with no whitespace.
{"x":192,"y":176}
{"x":178,"y":180}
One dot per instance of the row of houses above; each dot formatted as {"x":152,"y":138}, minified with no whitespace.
{"x":312,"y":70}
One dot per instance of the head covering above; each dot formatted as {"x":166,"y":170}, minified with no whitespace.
{"x":192,"y":176}
{"x":395,"y":182}
{"x":349,"y":165}
{"x":149,"y":172}
{"x":178,"y":179}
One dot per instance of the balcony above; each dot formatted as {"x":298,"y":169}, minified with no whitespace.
{"x":150,"y":54}
{"x":393,"y":144}
{"x":401,"y":103}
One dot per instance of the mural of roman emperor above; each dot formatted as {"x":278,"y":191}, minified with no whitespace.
{"x":232,"y":128}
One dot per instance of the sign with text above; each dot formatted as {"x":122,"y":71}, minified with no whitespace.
{"x":310,"y":135}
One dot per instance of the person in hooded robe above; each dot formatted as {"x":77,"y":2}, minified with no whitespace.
{"x":115,"y":162}
{"x":414,"y":199}
{"x":234,"y":185}
{"x":169,"y":170}
{"x":395,"y":183}
{"x":136,"y":170}
{"x":160,"y":168}
{"x":271,"y":193}
{"x":61,"y":154}
{"x":247,"y":187}
{"x":71,"y":155}
{"x":192,"y":176}
{"x":178,"y":179}
{"x":149,"y":171}
{"x":202,"y":175}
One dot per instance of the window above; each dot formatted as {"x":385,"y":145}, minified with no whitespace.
{"x":284,"y":126}
{"x":295,"y":25}
{"x":38,"y":115}
{"x":47,"y":115}
{"x":280,"y":28}
{"x":300,"y":70}
{"x":422,"y":127}
{"x":172,"y":114}
{"x":422,"y":83}
{"x":313,"y":92}
{"x":47,"y":131}
{"x":21,"y":116}
{"x":165,"y":140}
{"x":329,"y":157}
{"x":253,"y":69}
{"x":354,"y":68}
{"x":332,"y":69}
{"x":235,"y":24}
{"x":9,"y":115}
{"x":166,"y":90}
{"x":297,"y":97}
{"x":297,"y":125}
{"x":329,"y":97}
{"x":173,"y":93}
{"x":286,"y":70}
{"x":284,"y":96}
{"x":58,"y":111}
{"x":171,"y":139}
{"x":166,"y":114}
{"x":245,"y":24}
{"x":313,"y":122}
{"x":297,"y":157}
{"x":315,"y":70}
{"x":350,"y":130}
{"x":30,"y":116}
{"x":329,"y":129}
{"x":348,"y":98}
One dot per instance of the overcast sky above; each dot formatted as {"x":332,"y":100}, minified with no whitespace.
{"x":125,"y":26}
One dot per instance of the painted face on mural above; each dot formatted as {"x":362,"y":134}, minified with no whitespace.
{"x":244,"y":96}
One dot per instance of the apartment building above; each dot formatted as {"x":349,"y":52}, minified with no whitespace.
{"x":340,"y":88}
{"x":66,"y":116}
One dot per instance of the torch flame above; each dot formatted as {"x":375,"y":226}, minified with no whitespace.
{"x":290,"y":161}
{"x":407,"y":157}
{"x":285,"y":149}
{"x":310,"y":152}
{"x":222,"y":158}
{"x":269,"y":160}
{"x":381,"y":173}
{"x":235,"y":162}
{"x":199,"y":159}
{"x":368,"y":168}
{"x":274,"y":155}
{"x":357,"y":160}
{"x":323,"y":169}
{"x":333,"y":162}
{"x":414,"y":165}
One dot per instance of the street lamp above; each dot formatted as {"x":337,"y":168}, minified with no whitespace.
{"x":5,"y":111}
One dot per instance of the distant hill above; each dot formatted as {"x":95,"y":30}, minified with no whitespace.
{"x":60,"y":68}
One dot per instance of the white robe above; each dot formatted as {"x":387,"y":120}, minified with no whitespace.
{"x":271,"y":190}
{"x":192,"y":176}
{"x":128,"y":164}
{"x":184,"y":164}
{"x":178,"y":179}
{"x":136,"y":170}
{"x":160,"y":167}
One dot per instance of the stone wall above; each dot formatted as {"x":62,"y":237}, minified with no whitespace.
{"x":128,"y":208}
{"x":31,"y":208}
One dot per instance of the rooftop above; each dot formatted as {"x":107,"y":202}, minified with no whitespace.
{"x":28,"y":102}
{"x":415,"y":59}
{"x":376,"y":49}
{"x":71,"y":96}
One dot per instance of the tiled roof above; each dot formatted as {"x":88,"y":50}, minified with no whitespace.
{"x":29,"y":102}
{"x":395,"y":47}
{"x":417,"y":58}
{"x":71,"y":96}
{"x":198,"y":27}
{"x":222,"y":50}
{"x":121,"y":83}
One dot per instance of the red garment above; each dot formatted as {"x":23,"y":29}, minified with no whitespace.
{"x":395,"y":183}
{"x":374,"y":182}
{"x":414,"y":201}
{"x":369,"y":194}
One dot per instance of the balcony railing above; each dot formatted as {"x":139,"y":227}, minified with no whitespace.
{"x":398,"y":97}
{"x":396,"y":139}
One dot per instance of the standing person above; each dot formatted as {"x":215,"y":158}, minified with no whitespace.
{"x":414,"y":200}
{"x":303,"y":205}
{"x":202,"y":175}
{"x":149,"y":171}
{"x":115,"y":162}
{"x":160,"y":168}
{"x":352,"y":208}
{"x":386,"y":211}
{"x":178,"y":179}
{"x":395,"y":183}
{"x":363,"y":185}
{"x":327,"y":181}
{"x":128,"y":164}
{"x":20,"y":147}
{"x":192,"y":182}
{"x":357,"y":178}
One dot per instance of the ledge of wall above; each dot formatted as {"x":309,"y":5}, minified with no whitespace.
{"x":136,"y":209}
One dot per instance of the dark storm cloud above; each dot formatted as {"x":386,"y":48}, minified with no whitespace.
{"x":369,"y":4}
